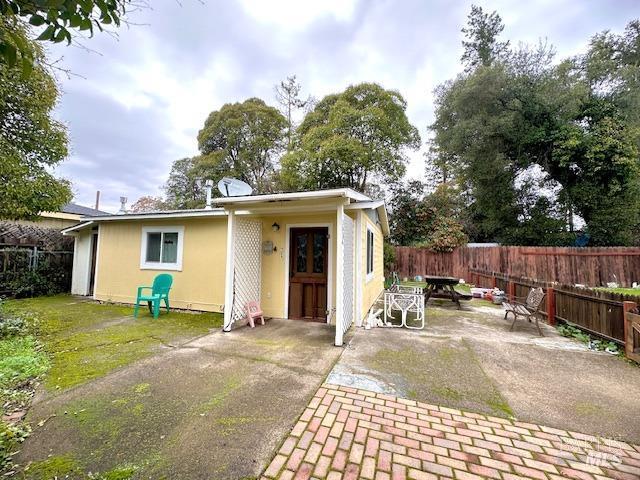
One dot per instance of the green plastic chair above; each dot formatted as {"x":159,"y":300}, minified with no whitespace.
{"x":159,"y":291}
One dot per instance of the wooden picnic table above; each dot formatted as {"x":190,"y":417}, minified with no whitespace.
{"x":442,"y":287}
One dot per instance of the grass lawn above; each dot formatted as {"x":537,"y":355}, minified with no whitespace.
{"x":626,"y":291}
{"x":86,"y":340}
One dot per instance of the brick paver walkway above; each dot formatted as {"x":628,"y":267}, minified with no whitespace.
{"x":348,"y":433}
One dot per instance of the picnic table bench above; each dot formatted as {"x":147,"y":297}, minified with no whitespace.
{"x":443,"y":287}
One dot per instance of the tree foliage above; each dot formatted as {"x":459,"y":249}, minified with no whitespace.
{"x":149,"y":203}
{"x":573,"y":122}
{"x":288,"y":96}
{"x":481,"y":46}
{"x":31,"y":141}
{"x":184,"y":185}
{"x":351,"y":139}
{"x":426,"y":220}
{"x":242,"y":140}
{"x":57,"y":19}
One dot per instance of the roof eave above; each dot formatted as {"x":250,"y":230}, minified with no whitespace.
{"x":75,"y":228}
{"x":292,"y":196}
{"x":214,"y":212}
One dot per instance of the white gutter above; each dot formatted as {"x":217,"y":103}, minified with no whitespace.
{"x":75,"y":228}
{"x":216,"y":212}
{"x":278,"y":197}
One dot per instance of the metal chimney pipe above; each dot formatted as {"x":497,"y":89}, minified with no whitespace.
{"x":97,"y":199}
{"x":208,"y":185}
{"x":123,"y":206}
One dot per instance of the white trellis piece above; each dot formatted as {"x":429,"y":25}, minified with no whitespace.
{"x":247,"y":263}
{"x":345,"y":315}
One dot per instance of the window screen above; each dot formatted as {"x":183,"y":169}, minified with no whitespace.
{"x":162,"y":247}
{"x":170,"y":247}
{"x":154,"y":242}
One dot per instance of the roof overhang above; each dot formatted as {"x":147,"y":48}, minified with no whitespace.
{"x":286,"y":197}
{"x":212,"y":212}
{"x":380,"y":207}
{"x":76,"y":228}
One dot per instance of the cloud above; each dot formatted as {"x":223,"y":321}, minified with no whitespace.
{"x":145,"y":95}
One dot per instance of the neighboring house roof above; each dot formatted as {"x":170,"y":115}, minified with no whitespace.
{"x":76,"y":209}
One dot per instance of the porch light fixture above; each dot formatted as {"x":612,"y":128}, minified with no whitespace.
{"x":275,"y":227}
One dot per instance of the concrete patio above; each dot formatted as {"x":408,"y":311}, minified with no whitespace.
{"x":213,"y":407}
{"x":469,"y":360}
{"x":229,"y":405}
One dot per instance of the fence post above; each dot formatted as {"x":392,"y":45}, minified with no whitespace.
{"x":626,"y":307}
{"x":551,"y":306}
{"x":494,"y":283}
{"x":511,"y":289}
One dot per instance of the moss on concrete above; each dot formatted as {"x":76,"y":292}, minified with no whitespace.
{"x":54,"y":468}
{"x":125,"y":472}
{"x":218,"y":399}
{"x":587,"y":409}
{"x":443,"y":373}
{"x":87,"y":339}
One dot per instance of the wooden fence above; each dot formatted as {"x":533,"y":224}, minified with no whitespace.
{"x":27,"y":248}
{"x":566,"y":265}
{"x":595,"y":311}
{"x":14,"y":262}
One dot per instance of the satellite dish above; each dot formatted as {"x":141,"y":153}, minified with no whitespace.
{"x":232,"y":187}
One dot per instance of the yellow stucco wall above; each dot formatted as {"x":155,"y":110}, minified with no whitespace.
{"x":373,"y":287}
{"x":200,"y":284}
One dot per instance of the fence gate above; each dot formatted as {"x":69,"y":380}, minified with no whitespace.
{"x":247,"y":266}
{"x":345,"y":318}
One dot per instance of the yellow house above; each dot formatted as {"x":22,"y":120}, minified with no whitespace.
{"x":306,"y":255}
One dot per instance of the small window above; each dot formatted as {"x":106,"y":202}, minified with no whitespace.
{"x":161,"y":248}
{"x":369,"y":254}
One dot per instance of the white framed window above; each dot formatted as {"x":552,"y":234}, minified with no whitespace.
{"x":369,"y":254}
{"x":161,"y":248}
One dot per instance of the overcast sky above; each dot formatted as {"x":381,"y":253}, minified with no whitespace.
{"x":139,"y":100}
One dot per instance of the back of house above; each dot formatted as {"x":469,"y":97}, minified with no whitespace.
{"x":306,"y":255}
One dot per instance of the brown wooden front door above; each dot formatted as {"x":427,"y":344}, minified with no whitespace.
{"x":308,"y":262}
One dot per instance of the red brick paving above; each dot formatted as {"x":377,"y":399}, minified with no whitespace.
{"x":347,"y":433}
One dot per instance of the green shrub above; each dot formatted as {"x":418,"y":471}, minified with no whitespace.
{"x":20,"y":361}
{"x":12,"y":326}
{"x":10,"y":437}
{"x":45,"y":279}
{"x":389,"y":254}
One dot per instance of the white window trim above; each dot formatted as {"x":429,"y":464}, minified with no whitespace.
{"x":144,"y":265}
{"x":371,"y":274}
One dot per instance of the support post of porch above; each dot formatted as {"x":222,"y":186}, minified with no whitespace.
{"x":229,"y":274}
{"x":339,"y":277}
{"x":357,"y":268}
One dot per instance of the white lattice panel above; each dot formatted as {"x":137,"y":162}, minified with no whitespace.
{"x":347,"y":273}
{"x":247,"y":263}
